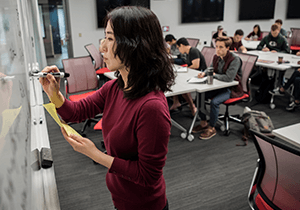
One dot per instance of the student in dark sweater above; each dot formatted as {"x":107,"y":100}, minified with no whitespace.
{"x":274,"y":42}
{"x":136,"y":119}
{"x":195,"y":60}
{"x":237,"y":42}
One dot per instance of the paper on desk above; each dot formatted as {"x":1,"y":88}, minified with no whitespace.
{"x":52,"y":111}
{"x":179,"y":69}
{"x":197,"y":80}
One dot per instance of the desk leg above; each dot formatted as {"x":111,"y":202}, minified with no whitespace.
{"x":177,"y":125}
{"x":190,"y":135}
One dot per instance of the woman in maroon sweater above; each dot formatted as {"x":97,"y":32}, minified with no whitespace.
{"x":136,"y":120}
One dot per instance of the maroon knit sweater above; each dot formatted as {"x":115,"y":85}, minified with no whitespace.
{"x":136,"y":133}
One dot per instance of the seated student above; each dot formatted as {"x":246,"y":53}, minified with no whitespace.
{"x":283,"y":32}
{"x":219,"y":33}
{"x":227,"y":67}
{"x":274,"y":41}
{"x":255,"y":35}
{"x":171,"y":41}
{"x":237,"y":42}
{"x":294,"y":79}
{"x":195,"y":60}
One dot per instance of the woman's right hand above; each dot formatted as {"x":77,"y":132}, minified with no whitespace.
{"x":51,"y":86}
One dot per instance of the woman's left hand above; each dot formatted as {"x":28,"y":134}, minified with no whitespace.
{"x":80,"y":144}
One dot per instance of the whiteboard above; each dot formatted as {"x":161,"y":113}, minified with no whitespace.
{"x":22,"y":120}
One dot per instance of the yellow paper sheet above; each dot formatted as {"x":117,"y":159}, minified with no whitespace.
{"x":8,"y":117}
{"x":52,"y":111}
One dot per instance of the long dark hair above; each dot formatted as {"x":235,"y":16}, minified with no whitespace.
{"x":259,"y":31}
{"x":140,"y":47}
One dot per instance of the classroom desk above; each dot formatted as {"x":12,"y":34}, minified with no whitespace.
{"x":250,"y":45}
{"x":269,"y":60}
{"x":289,"y":133}
{"x":182,"y":86}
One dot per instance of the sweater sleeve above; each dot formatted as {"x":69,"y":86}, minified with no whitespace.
{"x":85,"y":108}
{"x":261,"y":44}
{"x":152,"y":133}
{"x":231,"y":71}
{"x":249,"y":35}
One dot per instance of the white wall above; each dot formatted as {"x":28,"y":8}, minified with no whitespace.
{"x":84,"y":20}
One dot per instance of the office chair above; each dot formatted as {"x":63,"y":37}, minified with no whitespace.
{"x":193,"y":42}
{"x":295,"y":39}
{"x":98,"y":61}
{"x":83,"y":81}
{"x":276,"y":180}
{"x":248,"y":62}
{"x":208,"y":53}
{"x":264,"y":33}
{"x":213,"y":41}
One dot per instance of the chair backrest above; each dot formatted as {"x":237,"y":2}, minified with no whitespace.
{"x":208,"y":53}
{"x":213,"y":32}
{"x":95,"y":55}
{"x":279,"y":172}
{"x":264,"y":33}
{"x":295,"y":38}
{"x":193,"y":42}
{"x":247,"y":66}
{"x":83,"y":76}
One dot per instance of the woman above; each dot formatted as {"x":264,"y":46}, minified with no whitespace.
{"x":136,"y":120}
{"x":255,"y":35}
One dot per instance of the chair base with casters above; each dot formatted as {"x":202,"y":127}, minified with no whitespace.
{"x":226,"y":117}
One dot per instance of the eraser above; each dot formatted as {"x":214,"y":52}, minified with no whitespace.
{"x":46,"y":157}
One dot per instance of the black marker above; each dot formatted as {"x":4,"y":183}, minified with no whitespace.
{"x":56,"y":74}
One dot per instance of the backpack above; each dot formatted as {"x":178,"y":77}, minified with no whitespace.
{"x":262,"y":95}
{"x":258,"y":121}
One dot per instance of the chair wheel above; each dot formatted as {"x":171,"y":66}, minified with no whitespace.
{"x":183,"y":135}
{"x":222,"y":128}
{"x":226,"y":133}
{"x":190,"y":137}
{"x":272,"y":106}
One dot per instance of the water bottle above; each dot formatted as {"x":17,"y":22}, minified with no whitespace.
{"x":210,"y":77}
